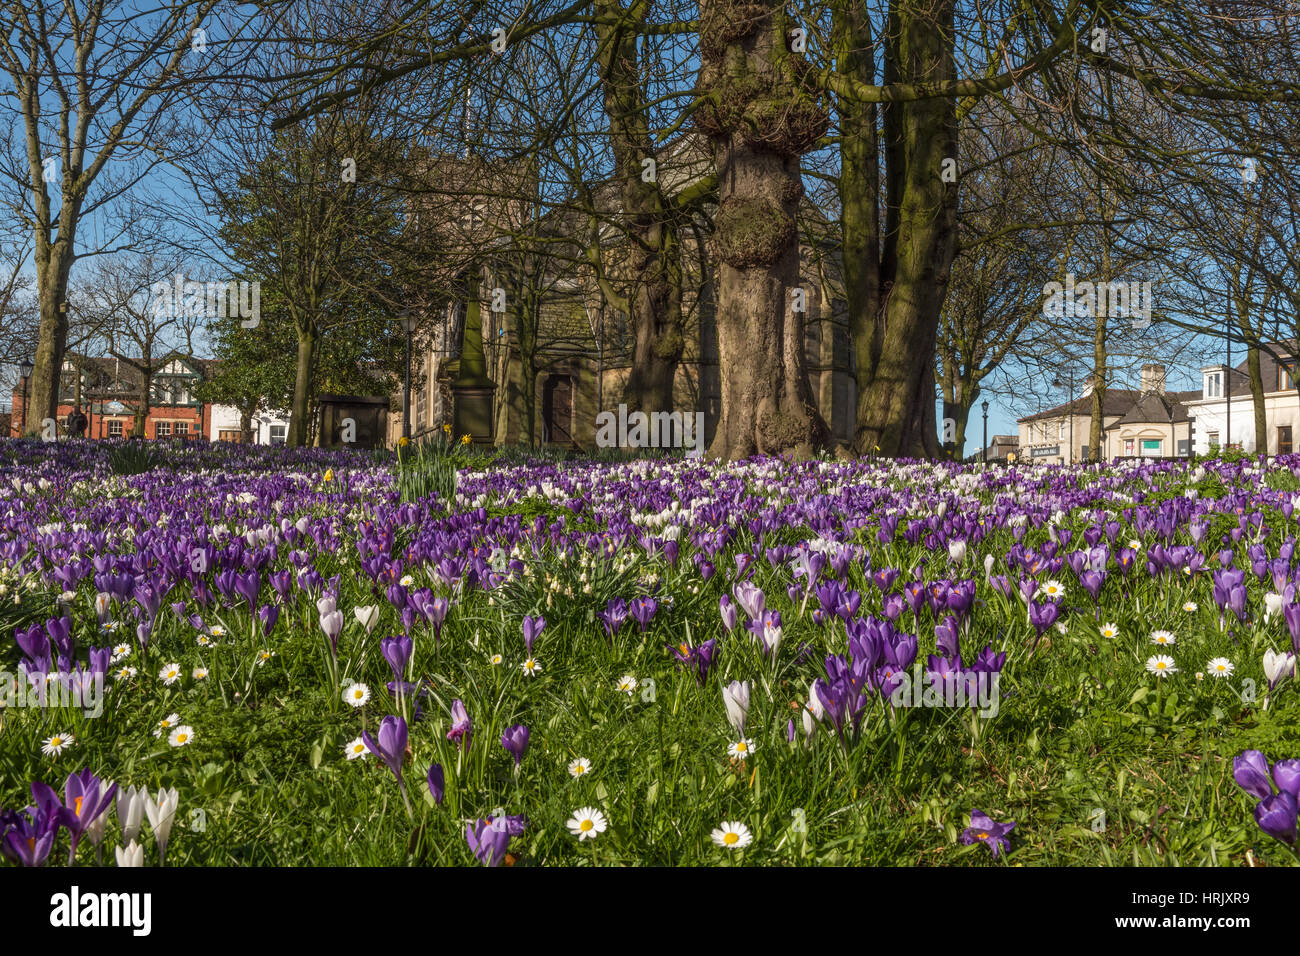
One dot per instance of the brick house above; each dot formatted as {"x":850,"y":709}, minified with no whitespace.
{"x":108,"y":391}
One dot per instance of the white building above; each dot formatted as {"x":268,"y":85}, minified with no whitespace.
{"x":269,"y":428}
{"x":1281,"y":410}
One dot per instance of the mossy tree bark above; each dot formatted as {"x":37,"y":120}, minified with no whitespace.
{"x":896,"y":281}
{"x":654,"y":300}
{"x":760,"y":112}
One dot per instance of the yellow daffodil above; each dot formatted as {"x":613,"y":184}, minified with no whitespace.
{"x":329,"y":474}
{"x":464,"y":439}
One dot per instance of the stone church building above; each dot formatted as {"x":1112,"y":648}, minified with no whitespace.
{"x":531,"y":298}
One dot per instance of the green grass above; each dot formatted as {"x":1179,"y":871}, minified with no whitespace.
{"x":1082,"y":731}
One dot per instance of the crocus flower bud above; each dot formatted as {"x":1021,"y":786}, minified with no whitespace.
{"x":735,"y":697}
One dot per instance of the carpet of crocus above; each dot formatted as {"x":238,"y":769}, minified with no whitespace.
{"x":267,"y":657}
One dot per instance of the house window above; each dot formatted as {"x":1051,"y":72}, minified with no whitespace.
{"x":1128,"y":446}
{"x":228,"y":434}
{"x":1284,"y":439}
{"x":1214,"y":385}
{"x":279,"y":434}
{"x":115,"y":428}
{"x":182,"y":429}
{"x":1284,"y":378}
{"x":163,"y":430}
{"x":1151,"y":447}
{"x":1213,"y":439}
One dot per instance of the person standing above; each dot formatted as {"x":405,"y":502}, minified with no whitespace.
{"x":77,"y":423}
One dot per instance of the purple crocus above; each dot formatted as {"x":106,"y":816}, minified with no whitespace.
{"x":515,"y":740}
{"x":437,"y":783}
{"x":397,"y":651}
{"x":643,"y":610}
{"x":29,"y":840}
{"x":729,"y":612}
{"x":533,"y":626}
{"x":984,"y":830}
{"x":1276,"y":813}
{"x":391,"y":745}
{"x":461,"y":726}
{"x":488,"y":840}
{"x":614,"y":615}
{"x":1277,"y":816}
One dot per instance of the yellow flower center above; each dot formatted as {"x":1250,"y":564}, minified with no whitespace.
{"x":586,"y":825}
{"x":731,"y":838}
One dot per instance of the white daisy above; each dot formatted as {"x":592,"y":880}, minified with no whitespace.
{"x":216,"y":630}
{"x":126,"y":673}
{"x":264,"y":656}
{"x":109,"y":626}
{"x":1053,"y":590}
{"x":1190,"y":606}
{"x":1220,"y":667}
{"x":1161,"y":664}
{"x":732,"y":836}
{"x":406,"y":581}
{"x":355,"y":749}
{"x":586,"y":823}
{"x":53,"y":746}
{"x":580,"y":767}
{"x":742,"y":748}
{"x":531,"y":668}
{"x":199,"y":673}
{"x":204,"y":641}
{"x":1135,"y":544}
{"x":627,"y":684}
{"x":181,"y":736}
{"x":120,"y":651}
{"x":1109,"y":631}
{"x":1163,"y":638}
{"x":495,"y":660}
{"x":170,"y":674}
{"x":167,"y":724}
{"x":358,"y":695}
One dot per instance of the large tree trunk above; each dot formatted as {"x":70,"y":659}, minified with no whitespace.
{"x":1257,"y":390}
{"x":895,"y":340}
{"x":246,"y":424}
{"x":654,"y":266}
{"x":142,"y":408}
{"x":1097,"y":424}
{"x":53,"y":263}
{"x":298,"y":414}
{"x":760,"y":116}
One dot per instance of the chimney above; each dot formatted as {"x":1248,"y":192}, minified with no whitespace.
{"x":1153,"y":379}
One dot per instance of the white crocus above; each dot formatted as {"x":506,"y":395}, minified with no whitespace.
{"x":957,"y":551}
{"x":130,"y":811}
{"x":1277,"y":666}
{"x":131,"y":855}
{"x":162,"y":813}
{"x":1272,"y":605}
{"x":736,"y":698}
{"x":367,"y":616}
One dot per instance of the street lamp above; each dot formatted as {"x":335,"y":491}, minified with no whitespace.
{"x":25,"y":369}
{"x":985,"y":406}
{"x":410,"y":322}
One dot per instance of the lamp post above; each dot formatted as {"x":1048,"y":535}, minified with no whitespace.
{"x":25,"y":369}
{"x":410,"y":322}
{"x":1069,"y":457}
{"x":985,"y":406}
